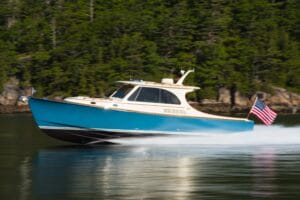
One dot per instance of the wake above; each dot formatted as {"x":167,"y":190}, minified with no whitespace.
{"x":261,"y":135}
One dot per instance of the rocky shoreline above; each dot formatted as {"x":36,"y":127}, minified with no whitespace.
{"x":14,"y":109}
{"x":281,"y":100}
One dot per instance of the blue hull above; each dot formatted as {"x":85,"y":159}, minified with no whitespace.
{"x":84,"y":124}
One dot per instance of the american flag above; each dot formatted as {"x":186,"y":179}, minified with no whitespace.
{"x":263,"y":112}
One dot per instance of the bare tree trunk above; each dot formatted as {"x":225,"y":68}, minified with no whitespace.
{"x":91,"y":10}
{"x":56,"y":8}
{"x":53,"y":27}
{"x":60,"y":2}
{"x":212,"y":35}
{"x":11,"y":20}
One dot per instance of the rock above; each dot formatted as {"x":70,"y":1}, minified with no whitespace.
{"x":58,"y":98}
{"x":26,"y":92}
{"x":295,"y":99}
{"x":224,"y":96}
{"x":2,"y":100}
{"x":262,"y":95}
{"x":209,"y":101}
{"x":281,"y":97}
{"x":213,"y":108}
{"x":11,"y":96}
{"x":11,"y":93}
{"x":284,"y":101}
{"x":12,"y":84}
{"x":13,"y":109}
{"x":280,"y":100}
{"x":22,"y":103}
{"x":241,"y":101}
{"x":294,"y":110}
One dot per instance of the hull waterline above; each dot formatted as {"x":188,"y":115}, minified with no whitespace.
{"x":90,"y":124}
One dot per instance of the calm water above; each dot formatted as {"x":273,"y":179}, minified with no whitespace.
{"x":262,"y":164}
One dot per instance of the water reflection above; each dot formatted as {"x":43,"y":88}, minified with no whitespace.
{"x":263,"y":164}
{"x":111,"y":172}
{"x":170,"y":172}
{"x":264,"y":173}
{"x":25,"y":177}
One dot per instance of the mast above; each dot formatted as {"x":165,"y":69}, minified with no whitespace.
{"x":180,"y":81}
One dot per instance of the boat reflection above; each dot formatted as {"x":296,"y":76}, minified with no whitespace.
{"x":169,"y":172}
{"x":111,"y":172}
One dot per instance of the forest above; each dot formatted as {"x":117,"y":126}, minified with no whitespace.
{"x":81,"y":47}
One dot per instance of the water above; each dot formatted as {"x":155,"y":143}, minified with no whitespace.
{"x":263,"y":164}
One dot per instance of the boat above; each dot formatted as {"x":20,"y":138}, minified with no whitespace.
{"x":137,"y":109}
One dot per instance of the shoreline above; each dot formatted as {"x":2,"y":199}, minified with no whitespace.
{"x":280,"y":100}
{"x":219,"y":108}
{"x":14,"y":109}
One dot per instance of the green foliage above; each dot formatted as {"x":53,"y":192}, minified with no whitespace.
{"x":7,"y":61}
{"x":55,"y":46}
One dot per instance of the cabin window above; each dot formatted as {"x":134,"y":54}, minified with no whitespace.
{"x":148,"y":95}
{"x":134,"y":95}
{"x":168,"y":97}
{"x":122,"y":91}
{"x":154,"y":95}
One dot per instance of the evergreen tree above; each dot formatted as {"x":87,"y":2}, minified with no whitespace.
{"x":80,"y":47}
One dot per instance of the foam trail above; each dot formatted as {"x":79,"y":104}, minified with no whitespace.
{"x":261,"y":135}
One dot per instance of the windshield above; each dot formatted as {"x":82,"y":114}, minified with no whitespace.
{"x":122,"y":91}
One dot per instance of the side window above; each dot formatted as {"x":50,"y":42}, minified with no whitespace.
{"x":154,"y":95}
{"x":134,"y":95}
{"x":168,"y":97}
{"x":148,"y":95}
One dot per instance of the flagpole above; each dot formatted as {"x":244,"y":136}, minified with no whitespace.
{"x":252,"y":107}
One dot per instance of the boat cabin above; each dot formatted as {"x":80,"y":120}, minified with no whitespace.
{"x":165,"y":92}
{"x":165,"y":98}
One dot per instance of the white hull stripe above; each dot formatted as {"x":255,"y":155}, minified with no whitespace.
{"x":63,"y":128}
{"x":121,"y":130}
